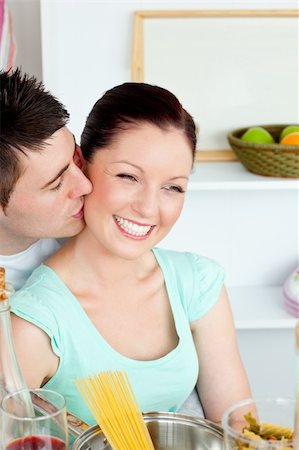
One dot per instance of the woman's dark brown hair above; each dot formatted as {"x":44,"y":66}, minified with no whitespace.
{"x":129,"y":104}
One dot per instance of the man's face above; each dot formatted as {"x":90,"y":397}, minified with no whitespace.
{"x":47,"y":200}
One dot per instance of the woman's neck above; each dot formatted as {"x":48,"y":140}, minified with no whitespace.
{"x":83,"y":258}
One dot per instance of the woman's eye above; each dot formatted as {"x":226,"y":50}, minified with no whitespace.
{"x":126,"y":176}
{"x":175,"y":188}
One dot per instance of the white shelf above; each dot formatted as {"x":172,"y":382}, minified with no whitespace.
{"x":260,"y":308}
{"x":233,"y":176}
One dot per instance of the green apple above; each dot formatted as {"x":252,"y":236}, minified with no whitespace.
{"x":288,"y":130}
{"x":259,"y":135}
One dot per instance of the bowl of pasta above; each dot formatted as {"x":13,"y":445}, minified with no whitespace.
{"x":257,"y":424}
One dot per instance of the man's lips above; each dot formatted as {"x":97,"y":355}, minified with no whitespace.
{"x":79,"y":214}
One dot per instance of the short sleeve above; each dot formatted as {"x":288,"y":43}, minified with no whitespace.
{"x":26,"y":305}
{"x":208,"y":278}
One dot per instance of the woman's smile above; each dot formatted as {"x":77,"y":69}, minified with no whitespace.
{"x":133,"y":229}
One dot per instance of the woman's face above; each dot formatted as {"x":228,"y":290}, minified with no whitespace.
{"x":138,"y":189}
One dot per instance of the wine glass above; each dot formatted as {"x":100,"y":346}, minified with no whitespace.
{"x":34,"y":419}
{"x":273,"y":418}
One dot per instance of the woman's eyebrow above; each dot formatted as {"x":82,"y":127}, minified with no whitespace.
{"x":128,"y":163}
{"x":178,"y":177}
{"x":185,"y":177}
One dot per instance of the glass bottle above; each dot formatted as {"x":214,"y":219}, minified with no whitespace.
{"x":11,"y":379}
{"x":10,"y":375}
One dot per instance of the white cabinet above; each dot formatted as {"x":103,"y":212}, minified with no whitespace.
{"x":266,"y":339}
{"x":249,"y":224}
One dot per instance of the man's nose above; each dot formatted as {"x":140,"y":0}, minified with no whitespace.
{"x":81,"y":185}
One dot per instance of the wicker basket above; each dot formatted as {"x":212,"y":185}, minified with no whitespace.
{"x":273,"y":160}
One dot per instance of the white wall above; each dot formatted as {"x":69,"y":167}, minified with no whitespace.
{"x":253,"y":234}
{"x":102,"y":25}
{"x":87,"y":45}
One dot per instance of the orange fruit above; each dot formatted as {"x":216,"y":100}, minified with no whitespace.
{"x":288,"y":130}
{"x":290,"y":139}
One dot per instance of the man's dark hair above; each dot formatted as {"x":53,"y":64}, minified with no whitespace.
{"x":29,"y":116}
{"x":130,"y":104}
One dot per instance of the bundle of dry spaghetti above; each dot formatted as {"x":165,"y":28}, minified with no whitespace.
{"x":111,"y":400}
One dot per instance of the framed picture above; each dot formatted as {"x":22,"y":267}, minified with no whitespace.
{"x":229,"y":68}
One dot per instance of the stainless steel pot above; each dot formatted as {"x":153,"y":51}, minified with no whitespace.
{"x":169,"y":431}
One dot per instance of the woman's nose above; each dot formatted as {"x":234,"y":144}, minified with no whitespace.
{"x":146,"y":203}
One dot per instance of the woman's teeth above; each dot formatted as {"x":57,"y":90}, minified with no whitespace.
{"x":132,"y":228}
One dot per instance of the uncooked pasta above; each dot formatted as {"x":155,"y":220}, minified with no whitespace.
{"x":112,"y":402}
{"x":264,"y":431}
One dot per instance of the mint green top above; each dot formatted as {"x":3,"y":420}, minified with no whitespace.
{"x":193,"y":284}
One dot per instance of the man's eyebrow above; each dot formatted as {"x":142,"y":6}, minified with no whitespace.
{"x":61,"y":171}
{"x":56,"y":176}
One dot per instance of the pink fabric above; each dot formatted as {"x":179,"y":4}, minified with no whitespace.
{"x":291,"y":309}
{"x":7,"y":42}
{"x":1,"y":17}
{"x":289,"y":298}
{"x":12,"y":46}
{"x":290,"y":292}
{"x":292,"y":306}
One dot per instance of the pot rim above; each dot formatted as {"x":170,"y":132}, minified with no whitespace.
{"x":151,"y":416}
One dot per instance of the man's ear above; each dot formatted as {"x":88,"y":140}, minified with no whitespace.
{"x":78,"y":157}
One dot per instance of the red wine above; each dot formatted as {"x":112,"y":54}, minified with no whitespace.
{"x":37,"y":443}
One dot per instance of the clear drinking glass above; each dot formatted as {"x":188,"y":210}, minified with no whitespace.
{"x":45,"y":429}
{"x":277,"y":411}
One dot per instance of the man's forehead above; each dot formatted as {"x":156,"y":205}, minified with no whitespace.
{"x":60,"y":136}
{"x":60,"y":139}
{"x":44,"y":163}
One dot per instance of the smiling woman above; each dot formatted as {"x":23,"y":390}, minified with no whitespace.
{"x":138,"y":184}
{"x":110,"y":299}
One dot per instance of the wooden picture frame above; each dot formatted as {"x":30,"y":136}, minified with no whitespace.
{"x":264,"y":89}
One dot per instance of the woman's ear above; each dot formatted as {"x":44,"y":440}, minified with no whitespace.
{"x":78,"y":157}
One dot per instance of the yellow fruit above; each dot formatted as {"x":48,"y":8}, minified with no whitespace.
{"x":291,"y":139}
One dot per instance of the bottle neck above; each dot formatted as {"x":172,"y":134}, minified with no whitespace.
{"x":4,"y":306}
{"x":11,"y":378}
